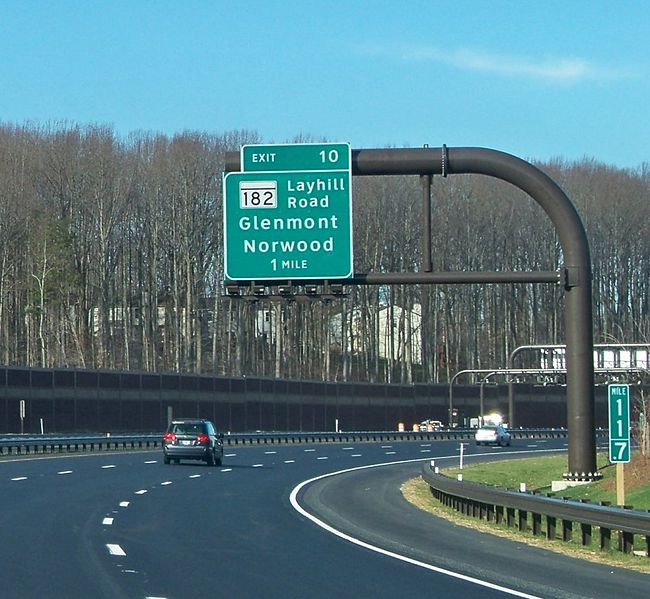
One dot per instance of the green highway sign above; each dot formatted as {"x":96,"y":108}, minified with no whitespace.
{"x":296,"y":157}
{"x":619,"y":423}
{"x":288,"y":214}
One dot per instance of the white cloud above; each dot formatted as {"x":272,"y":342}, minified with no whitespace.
{"x":566,"y":70}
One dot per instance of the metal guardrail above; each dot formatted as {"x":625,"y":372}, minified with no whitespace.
{"x":27,"y":445}
{"x":34,"y":444}
{"x":499,"y":505}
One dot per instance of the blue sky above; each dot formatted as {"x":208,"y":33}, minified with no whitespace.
{"x":540,"y":80}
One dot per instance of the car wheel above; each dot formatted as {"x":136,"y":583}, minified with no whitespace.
{"x":211,"y":459}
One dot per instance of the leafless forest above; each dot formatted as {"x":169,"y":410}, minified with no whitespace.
{"x":111,"y":257}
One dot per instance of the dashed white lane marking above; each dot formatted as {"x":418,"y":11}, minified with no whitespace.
{"x":226,"y":470}
{"x":257,"y":465}
{"x":17,"y":478}
{"x":141,"y":492}
{"x":63,"y":472}
{"x":289,"y":461}
{"x":165,"y":483}
{"x":324,"y":457}
{"x":230,"y":455}
{"x":151,"y":462}
{"x":425,"y":444}
{"x":308,"y":450}
{"x":531,"y":445}
{"x":194,"y":476}
{"x":347,"y":448}
{"x":391,"y":452}
{"x":124,"y":503}
{"x":425,"y":451}
{"x":270,"y":452}
{"x":355,"y":455}
{"x":386,"y":446}
{"x":107,"y":521}
{"x":108,"y":466}
{"x":115,"y":549}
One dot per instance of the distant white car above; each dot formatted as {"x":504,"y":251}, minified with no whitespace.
{"x":430,"y":425}
{"x":492,"y":435}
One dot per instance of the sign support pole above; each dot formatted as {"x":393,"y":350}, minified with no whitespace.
{"x":620,"y":483}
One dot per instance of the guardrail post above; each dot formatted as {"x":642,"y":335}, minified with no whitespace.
{"x":625,"y":541}
{"x":490,"y":512}
{"x":537,"y":524}
{"x":523,"y":520}
{"x":551,"y":527}
{"x":585,"y":534}
{"x":567,"y":530}
{"x":605,"y":538}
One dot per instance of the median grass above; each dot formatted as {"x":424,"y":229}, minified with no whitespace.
{"x":538,"y":473}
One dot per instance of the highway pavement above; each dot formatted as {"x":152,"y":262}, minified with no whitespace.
{"x":125,"y":525}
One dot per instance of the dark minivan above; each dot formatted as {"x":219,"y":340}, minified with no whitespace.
{"x":193,"y":439}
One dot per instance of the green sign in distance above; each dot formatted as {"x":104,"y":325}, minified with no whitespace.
{"x":619,"y":423}
{"x":288,"y":215}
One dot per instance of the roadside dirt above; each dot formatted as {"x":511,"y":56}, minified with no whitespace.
{"x":637,"y":473}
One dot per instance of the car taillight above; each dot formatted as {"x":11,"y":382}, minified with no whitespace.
{"x":203,"y":438}
{"x":169,"y":437}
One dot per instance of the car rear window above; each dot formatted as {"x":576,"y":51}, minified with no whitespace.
{"x":187,"y":428}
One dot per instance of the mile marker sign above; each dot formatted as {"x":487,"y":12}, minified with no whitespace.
{"x":288,"y":214}
{"x":619,"y":423}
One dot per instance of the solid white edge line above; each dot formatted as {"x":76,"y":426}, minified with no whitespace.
{"x":296,"y":506}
